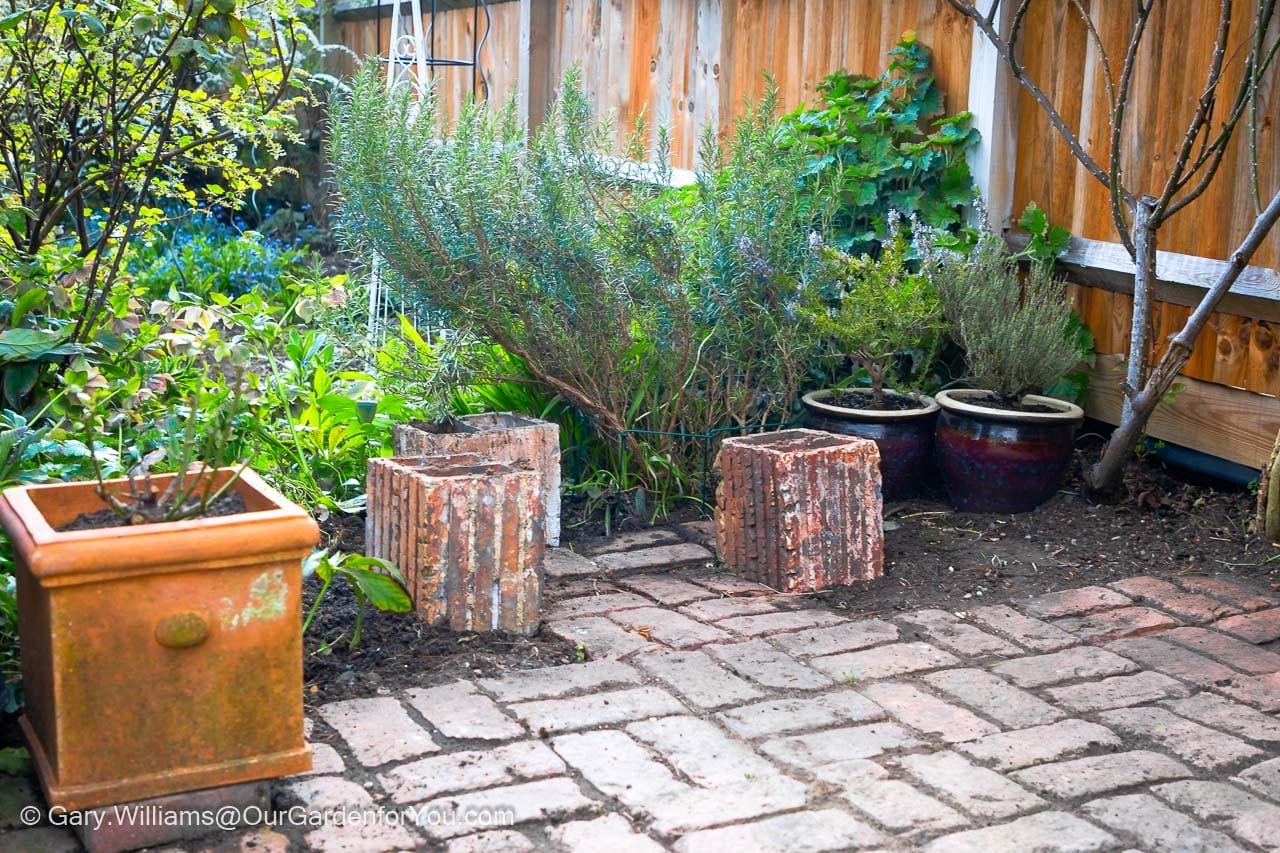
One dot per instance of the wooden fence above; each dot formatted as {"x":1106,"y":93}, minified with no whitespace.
{"x":692,"y":64}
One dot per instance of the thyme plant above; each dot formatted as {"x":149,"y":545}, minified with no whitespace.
{"x":648,"y":309}
{"x":1015,"y":330}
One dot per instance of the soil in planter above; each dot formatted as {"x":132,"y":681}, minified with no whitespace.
{"x":450,"y":426}
{"x":864,"y":400}
{"x":991,"y":401}
{"x":398,"y":651}
{"x":230,"y":503}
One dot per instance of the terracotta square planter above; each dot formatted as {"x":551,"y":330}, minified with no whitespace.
{"x":159,"y":658}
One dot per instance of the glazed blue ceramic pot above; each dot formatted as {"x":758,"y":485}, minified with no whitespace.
{"x":903,"y":436}
{"x":994,"y":460}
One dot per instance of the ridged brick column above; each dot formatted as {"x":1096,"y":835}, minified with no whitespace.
{"x":501,"y":437}
{"x":468,"y":535}
{"x":800,"y":509}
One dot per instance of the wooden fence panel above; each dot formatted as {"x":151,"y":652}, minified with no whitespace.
{"x":692,"y":64}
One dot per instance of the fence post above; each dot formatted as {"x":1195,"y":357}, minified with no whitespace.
{"x":993,"y":100}
{"x":539,"y":20}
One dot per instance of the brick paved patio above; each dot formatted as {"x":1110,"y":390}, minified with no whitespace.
{"x":714,"y":715}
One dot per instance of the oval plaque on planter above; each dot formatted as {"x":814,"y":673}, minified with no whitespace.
{"x":904,"y":436}
{"x":1003,"y":460}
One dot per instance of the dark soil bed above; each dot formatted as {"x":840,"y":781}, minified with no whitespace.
{"x":991,"y":401}
{"x":397,"y":651}
{"x":1164,"y":523}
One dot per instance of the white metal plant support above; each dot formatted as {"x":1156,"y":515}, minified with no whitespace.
{"x":406,"y":62}
{"x":410,"y":62}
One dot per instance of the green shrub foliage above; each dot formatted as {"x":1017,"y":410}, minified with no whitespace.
{"x":881,"y":144}
{"x":887,"y":316}
{"x":643,"y":307}
{"x":1016,"y":329}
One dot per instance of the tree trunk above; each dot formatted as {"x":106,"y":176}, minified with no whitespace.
{"x":1144,"y":285}
{"x":1140,"y":402}
{"x":1269,"y":496}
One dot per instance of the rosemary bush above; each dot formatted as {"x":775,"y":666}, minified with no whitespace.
{"x":1015,"y":329}
{"x":642,"y":307}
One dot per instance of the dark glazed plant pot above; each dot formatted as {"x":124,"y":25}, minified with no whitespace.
{"x":1000,"y":461}
{"x":904,"y":436}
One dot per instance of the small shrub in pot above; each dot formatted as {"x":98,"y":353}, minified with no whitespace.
{"x":887,"y":321}
{"x":1002,"y":446}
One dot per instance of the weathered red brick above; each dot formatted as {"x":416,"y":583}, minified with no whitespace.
{"x":800,"y":509}
{"x":466,"y":533}
{"x":1260,"y":627}
{"x":1075,"y":602}
{"x":929,"y":714}
{"x":1190,"y":606}
{"x":499,"y":437}
{"x":1231,"y":592}
{"x":1229,"y":650}
{"x":1112,"y":624}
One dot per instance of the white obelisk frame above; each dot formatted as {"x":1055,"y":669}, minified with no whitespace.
{"x":406,"y":65}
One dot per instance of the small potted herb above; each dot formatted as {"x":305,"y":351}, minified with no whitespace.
{"x":888,"y":322}
{"x":159,"y":617}
{"x":1003,"y":446}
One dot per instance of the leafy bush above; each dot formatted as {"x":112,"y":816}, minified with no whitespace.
{"x":643,"y":308}
{"x":881,"y":144}
{"x":887,"y":317}
{"x":1016,"y":330}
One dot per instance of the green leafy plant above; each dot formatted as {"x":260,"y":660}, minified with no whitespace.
{"x":1047,"y":242}
{"x":373,"y":582}
{"x":877,"y":144}
{"x":1014,"y":330}
{"x":884,"y":310}
{"x":106,"y":110}
{"x":654,"y":313}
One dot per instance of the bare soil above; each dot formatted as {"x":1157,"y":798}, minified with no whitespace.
{"x":866,"y":400}
{"x":1164,"y":522}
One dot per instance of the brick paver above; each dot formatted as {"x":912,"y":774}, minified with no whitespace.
{"x":1008,"y":705}
{"x":1112,"y":624}
{"x":711,"y":714}
{"x":1034,"y":634}
{"x":884,"y":661}
{"x":948,"y":631}
{"x":1040,"y":744}
{"x":1075,"y":602}
{"x":1189,"y":606}
{"x":892,"y":803}
{"x":1260,"y":627}
{"x":767,"y":665}
{"x":1100,"y":774}
{"x":698,"y":678}
{"x":777,"y":716}
{"x":1192,"y":742}
{"x":922,"y":712}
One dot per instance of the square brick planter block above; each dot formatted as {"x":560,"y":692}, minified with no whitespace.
{"x":500,"y":437}
{"x":800,"y":509}
{"x":467,"y":533}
